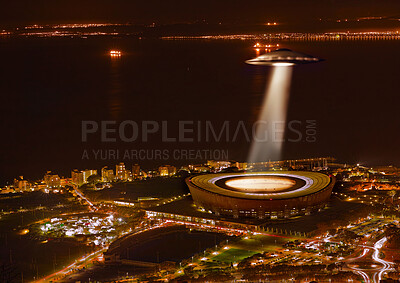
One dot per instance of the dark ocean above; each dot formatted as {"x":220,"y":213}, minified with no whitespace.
{"x":48,"y":86}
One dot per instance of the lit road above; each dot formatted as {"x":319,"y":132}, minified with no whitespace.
{"x":359,"y":270}
{"x":83,"y":261}
{"x":375,"y":256}
{"x":78,"y":264}
{"x":378,"y":272}
{"x":81,"y":195}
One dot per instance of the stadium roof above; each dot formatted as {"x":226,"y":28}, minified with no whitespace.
{"x":312,"y":182}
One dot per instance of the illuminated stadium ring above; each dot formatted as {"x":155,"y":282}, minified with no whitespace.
{"x":261,"y":193}
{"x":269,"y":187}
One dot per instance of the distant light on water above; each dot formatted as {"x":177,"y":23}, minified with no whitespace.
{"x":115,"y":53}
{"x":268,"y":137}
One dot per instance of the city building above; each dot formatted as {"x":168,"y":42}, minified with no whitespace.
{"x":320,"y":163}
{"x":7,"y":190}
{"x":80,"y":177}
{"x":136,"y":171}
{"x":77,"y":177}
{"x":21,"y":185}
{"x":218,"y":165}
{"x":241,"y":165}
{"x":107,"y":175}
{"x":65,"y":181}
{"x":52,"y":180}
{"x":184,"y":212}
{"x":127,"y":176}
{"x":167,"y":170}
{"x":87,"y":173}
{"x":199,"y":168}
{"x":120,"y":171}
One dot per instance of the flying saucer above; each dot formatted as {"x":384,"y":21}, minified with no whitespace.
{"x":283,"y":57}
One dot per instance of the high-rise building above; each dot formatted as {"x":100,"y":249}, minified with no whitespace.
{"x":120,"y":171}
{"x":135,"y":171}
{"x":87,"y":173}
{"x":80,"y":177}
{"x":167,"y":170}
{"x":107,"y":175}
{"x":20,"y":184}
{"x":163,"y":171}
{"x":77,"y":177}
{"x":128,"y":176}
{"x":52,"y":180}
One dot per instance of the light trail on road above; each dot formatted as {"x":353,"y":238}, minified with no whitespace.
{"x":360,"y":271}
{"x":80,"y":194}
{"x":363,"y":275}
{"x":75,"y":265}
{"x":81,"y":262}
{"x":363,"y":254}
{"x":375,"y":256}
{"x":386,"y":265}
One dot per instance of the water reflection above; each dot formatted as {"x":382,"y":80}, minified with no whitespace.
{"x":115,"y":88}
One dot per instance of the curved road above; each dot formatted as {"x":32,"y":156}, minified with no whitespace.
{"x":376,"y":273}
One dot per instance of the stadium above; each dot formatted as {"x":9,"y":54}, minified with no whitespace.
{"x":277,"y":194}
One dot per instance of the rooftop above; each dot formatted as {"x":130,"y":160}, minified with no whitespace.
{"x":186,"y":207}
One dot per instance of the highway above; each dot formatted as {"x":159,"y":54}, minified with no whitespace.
{"x":375,"y":256}
{"x":372,"y":274}
{"x":81,"y":195}
{"x":81,"y":262}
{"x":78,"y":264}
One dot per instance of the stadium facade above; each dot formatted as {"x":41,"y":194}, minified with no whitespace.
{"x":276,"y":194}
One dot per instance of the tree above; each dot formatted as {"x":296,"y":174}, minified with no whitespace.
{"x":94,"y":179}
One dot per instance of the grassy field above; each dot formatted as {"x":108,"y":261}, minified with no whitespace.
{"x":233,"y":255}
{"x":246,"y":247}
{"x":261,"y":243}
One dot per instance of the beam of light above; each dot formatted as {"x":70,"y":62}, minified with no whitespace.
{"x":283,"y":64}
{"x":268,"y":137}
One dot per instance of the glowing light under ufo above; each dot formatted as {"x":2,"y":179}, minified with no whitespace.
{"x":269,"y":135}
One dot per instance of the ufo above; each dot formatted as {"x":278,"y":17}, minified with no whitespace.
{"x":283,"y":57}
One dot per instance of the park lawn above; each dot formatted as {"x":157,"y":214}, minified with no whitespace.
{"x":233,"y":255}
{"x":262,"y":243}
